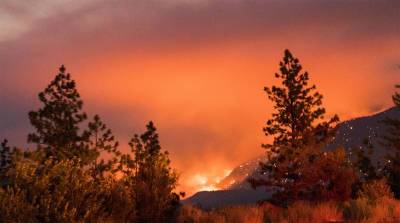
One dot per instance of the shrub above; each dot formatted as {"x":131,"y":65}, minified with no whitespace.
{"x":14,"y":208}
{"x":375,"y":190}
{"x":357,"y":210}
{"x":386,"y":210}
{"x":49,"y":192}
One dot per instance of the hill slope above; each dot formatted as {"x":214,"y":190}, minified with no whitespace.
{"x":350,"y":134}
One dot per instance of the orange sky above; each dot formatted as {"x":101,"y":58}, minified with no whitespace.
{"x":196,"y":68}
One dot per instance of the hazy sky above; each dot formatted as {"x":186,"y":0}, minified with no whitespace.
{"x":195,"y":67}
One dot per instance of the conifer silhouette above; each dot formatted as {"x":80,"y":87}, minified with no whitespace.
{"x":298,"y":109}
{"x":57,"y":122}
{"x":153,"y":178}
{"x":100,"y":141}
{"x":297,"y":126}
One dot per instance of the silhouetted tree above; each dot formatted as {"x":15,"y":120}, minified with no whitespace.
{"x":298,"y":120}
{"x":5,"y":156}
{"x":152,"y":178}
{"x":391,"y":140}
{"x":101,"y":141}
{"x":6,"y":161}
{"x":57,"y":123}
{"x":363,"y":162}
{"x":297,"y":127}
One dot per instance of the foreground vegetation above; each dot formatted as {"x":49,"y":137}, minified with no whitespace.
{"x":375,"y":203}
{"x":76,"y":171}
{"x":360,"y":210}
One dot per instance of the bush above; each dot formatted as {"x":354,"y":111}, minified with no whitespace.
{"x":49,"y":192}
{"x":14,"y":208}
{"x":362,"y":210}
{"x":357,"y":210}
{"x":375,"y":190}
{"x":375,"y":203}
{"x":386,"y":210}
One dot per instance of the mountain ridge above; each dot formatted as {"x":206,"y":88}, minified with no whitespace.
{"x":350,"y":134}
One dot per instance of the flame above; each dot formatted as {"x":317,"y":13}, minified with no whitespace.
{"x":207,"y":182}
{"x":200,"y":179}
{"x":209,"y":188}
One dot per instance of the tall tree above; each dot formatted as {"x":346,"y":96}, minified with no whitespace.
{"x":299,"y":115}
{"x":391,"y":165}
{"x":297,"y":127}
{"x":152,"y":177}
{"x":58,"y":121}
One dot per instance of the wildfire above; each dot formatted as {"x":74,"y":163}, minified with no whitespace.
{"x":205,"y":182}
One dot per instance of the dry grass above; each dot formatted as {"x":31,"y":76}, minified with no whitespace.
{"x":385,"y":210}
{"x":237,"y":214}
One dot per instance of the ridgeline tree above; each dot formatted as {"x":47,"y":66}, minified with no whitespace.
{"x":298,"y":129}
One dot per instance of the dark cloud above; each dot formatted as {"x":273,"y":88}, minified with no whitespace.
{"x":155,"y":24}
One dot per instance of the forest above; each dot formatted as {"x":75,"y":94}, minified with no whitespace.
{"x":75,"y":170}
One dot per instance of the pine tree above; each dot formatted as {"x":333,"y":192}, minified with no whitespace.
{"x":298,"y":109}
{"x":391,"y":165}
{"x":297,"y":127}
{"x":101,"y":142}
{"x":152,"y":177}
{"x":57,"y":122}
